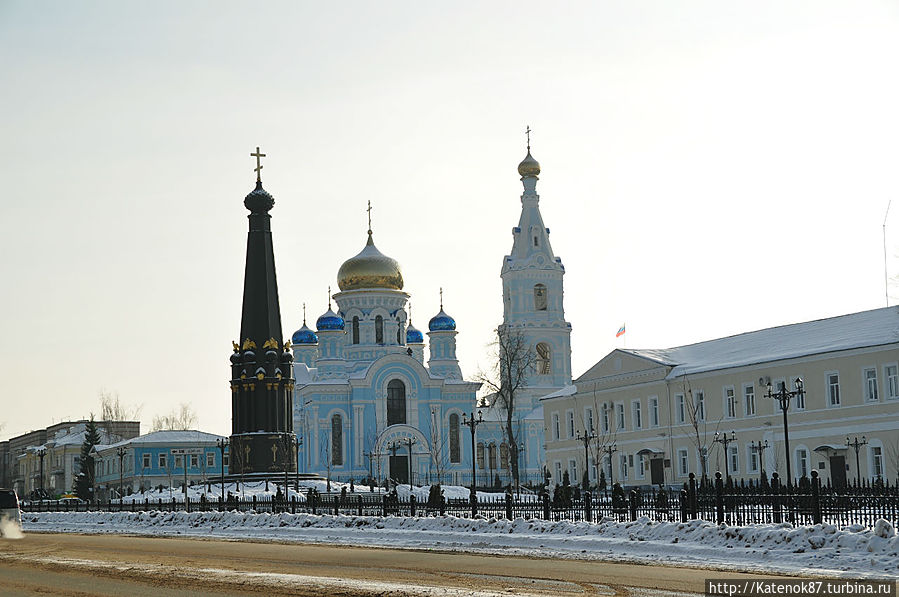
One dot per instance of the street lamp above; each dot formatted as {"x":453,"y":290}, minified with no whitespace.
{"x":521,"y":456}
{"x":410,"y":441}
{"x":609,"y":450}
{"x":857,"y":445}
{"x":297,"y":442}
{"x":472,"y":424}
{"x":393,"y":447}
{"x":783,"y":397}
{"x":586,"y":439}
{"x":724,"y":440}
{"x":120,"y":452}
{"x":222,"y":443}
{"x":41,"y":452}
{"x":760,"y":448}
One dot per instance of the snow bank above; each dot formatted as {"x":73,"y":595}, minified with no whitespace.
{"x":852,"y":552}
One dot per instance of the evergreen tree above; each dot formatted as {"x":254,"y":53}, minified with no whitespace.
{"x":86,"y":478}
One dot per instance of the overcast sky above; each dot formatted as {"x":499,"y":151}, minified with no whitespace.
{"x":709,"y":168}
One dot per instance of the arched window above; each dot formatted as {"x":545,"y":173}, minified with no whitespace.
{"x":491,"y":456}
{"x":379,"y":330}
{"x":504,"y":455}
{"x":396,"y":402}
{"x":336,"y":440}
{"x":455,"y":452}
{"x":540,"y":297}
{"x":355,"y":330}
{"x":544,"y":358}
{"x":480,"y":456}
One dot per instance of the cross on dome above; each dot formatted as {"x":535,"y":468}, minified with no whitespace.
{"x":258,"y":155}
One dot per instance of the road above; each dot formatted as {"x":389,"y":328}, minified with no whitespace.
{"x":81,"y":565}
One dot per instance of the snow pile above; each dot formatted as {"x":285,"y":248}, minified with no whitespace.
{"x":821,"y":549}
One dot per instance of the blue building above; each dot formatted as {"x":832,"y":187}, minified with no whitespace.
{"x":366,"y":404}
{"x":157,"y":458}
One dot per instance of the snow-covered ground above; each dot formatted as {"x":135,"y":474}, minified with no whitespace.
{"x":821,"y":550}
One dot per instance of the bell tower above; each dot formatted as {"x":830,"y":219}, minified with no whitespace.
{"x":262,"y":439}
{"x":533,"y":290}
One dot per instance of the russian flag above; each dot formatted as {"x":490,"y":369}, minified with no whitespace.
{"x":620,"y":331}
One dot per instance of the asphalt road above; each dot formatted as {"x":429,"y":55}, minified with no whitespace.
{"x":80,"y":565}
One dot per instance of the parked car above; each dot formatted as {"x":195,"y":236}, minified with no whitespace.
{"x":10,"y":514}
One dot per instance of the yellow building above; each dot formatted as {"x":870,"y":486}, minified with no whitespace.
{"x":651,"y":416}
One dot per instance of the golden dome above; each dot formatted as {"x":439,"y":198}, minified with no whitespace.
{"x":529,"y":167}
{"x":370,"y":269}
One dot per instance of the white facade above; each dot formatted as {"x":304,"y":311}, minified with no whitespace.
{"x":656,"y":412}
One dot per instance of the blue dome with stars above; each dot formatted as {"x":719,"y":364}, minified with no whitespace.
{"x":329,"y":321}
{"x":442,"y":322}
{"x":304,"y":336}
{"x":413,"y":336}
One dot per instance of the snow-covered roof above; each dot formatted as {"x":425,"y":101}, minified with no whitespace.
{"x":569,"y":390}
{"x":855,"y":330}
{"x":188,"y":436}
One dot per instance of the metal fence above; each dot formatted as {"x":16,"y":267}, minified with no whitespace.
{"x":734,"y":504}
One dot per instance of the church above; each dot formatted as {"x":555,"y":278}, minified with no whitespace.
{"x":366,"y":403}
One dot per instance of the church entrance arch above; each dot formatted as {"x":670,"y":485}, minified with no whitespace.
{"x":403,"y":453}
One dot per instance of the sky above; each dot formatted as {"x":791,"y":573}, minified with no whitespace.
{"x":708,"y":168}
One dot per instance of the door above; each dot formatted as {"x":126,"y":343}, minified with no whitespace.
{"x":657,"y":471}
{"x":838,"y":471}
{"x":399,"y":469}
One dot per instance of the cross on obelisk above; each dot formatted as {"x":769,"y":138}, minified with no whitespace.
{"x":528,"y":133}
{"x":258,"y":169}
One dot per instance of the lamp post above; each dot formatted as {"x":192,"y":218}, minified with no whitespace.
{"x":120,"y":452}
{"x":857,"y":445}
{"x":521,"y":456}
{"x":783,"y":397}
{"x":609,"y":450}
{"x":472,"y":424}
{"x":760,"y":448}
{"x":41,"y":452}
{"x":297,"y":442}
{"x":586,"y":439}
{"x":410,"y":441}
{"x":393,"y":447}
{"x":221,"y":444}
{"x":724,"y":441}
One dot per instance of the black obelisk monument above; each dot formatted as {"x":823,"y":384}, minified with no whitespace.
{"x":262,"y":439}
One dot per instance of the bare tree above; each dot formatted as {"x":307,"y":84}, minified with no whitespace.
{"x":112,"y":409}
{"x":326,"y":454}
{"x":179,"y":419}
{"x":437,"y":447}
{"x":604,"y":433}
{"x":696,"y":418}
{"x":515,"y":360}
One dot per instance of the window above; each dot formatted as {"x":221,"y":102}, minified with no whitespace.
{"x":681,"y":402}
{"x":891,"y":381}
{"x":569,"y":423}
{"x":355,"y":330}
{"x":146,"y":461}
{"x":379,"y":330}
{"x":396,"y":402}
{"x":558,"y":473}
{"x":749,"y":400}
{"x":491,"y":456}
{"x":225,"y":460}
{"x":733,"y":459}
{"x":730,"y":403}
{"x":540,"y":297}
{"x":480,"y":455}
{"x":619,"y":412}
{"x":641,"y":465}
{"x":699,"y":405}
{"x":535,"y":241}
{"x":572,"y":472}
{"x":870,"y":377}
{"x":605,"y":418}
{"x":336,"y":440}
{"x":399,"y":332}
{"x":622,"y":466}
{"x":588,"y":418}
{"x":653,"y":411}
{"x":194,"y":460}
{"x":556,"y":434}
{"x":833,"y":388}
{"x":752,"y":459}
{"x":504,"y":455}
{"x":544,"y":356}
{"x":802,"y":462}
{"x":800,"y":396}
{"x":210,"y":459}
{"x":179,"y":461}
{"x":455,"y":451}
{"x":877,"y":462}
{"x":637,"y":414}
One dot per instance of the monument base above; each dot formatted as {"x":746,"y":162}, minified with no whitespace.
{"x":262,"y":453}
